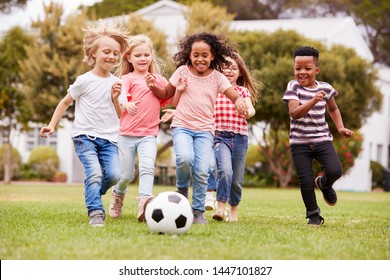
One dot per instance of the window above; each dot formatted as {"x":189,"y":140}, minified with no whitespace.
{"x":33,"y":139}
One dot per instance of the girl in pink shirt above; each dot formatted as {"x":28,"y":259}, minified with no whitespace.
{"x":139,"y":123}
{"x":198,"y":61}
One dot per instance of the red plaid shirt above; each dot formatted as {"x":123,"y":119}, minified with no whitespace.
{"x":225,"y":114}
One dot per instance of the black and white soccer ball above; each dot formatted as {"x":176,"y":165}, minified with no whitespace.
{"x":170,"y":213}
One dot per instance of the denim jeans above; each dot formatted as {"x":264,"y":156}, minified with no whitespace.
{"x":193,"y":150}
{"x":212,"y":181}
{"x":230,"y":152}
{"x":303,"y":156}
{"x":146,"y":147}
{"x":101,"y":164}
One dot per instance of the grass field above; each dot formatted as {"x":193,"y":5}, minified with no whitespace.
{"x":49,"y":222}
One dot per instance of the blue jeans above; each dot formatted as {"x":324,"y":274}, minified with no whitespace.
{"x":193,"y":150}
{"x":230,"y":150}
{"x":101,"y":164}
{"x":146,"y":146}
{"x":212,"y":181}
{"x":303,"y":156}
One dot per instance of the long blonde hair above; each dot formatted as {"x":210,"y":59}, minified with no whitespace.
{"x":134,"y":41}
{"x":246,"y":80}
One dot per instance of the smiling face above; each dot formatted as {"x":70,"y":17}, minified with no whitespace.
{"x":141,"y":58}
{"x":201,"y":58}
{"x":232,"y":72}
{"x":106,"y":55}
{"x":305,"y":71}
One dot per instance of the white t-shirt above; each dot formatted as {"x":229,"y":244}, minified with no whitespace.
{"x":95,"y":113}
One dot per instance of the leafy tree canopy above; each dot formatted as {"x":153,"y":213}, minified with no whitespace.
{"x":270,"y":55}
{"x":7,"y":5}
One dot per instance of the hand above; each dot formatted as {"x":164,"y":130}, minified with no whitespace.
{"x":169,"y":113}
{"x":131,"y":107}
{"x":321,"y":95}
{"x":346,"y":132}
{"x":241,"y":106}
{"x":116,"y":90}
{"x":181,"y":85}
{"x":150,"y":80}
{"x":46,"y":131}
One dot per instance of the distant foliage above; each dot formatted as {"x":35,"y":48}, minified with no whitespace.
{"x":44,"y":162}
{"x":378,"y":174}
{"x":16,"y":162}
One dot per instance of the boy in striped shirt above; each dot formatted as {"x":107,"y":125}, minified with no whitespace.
{"x":310,"y":137}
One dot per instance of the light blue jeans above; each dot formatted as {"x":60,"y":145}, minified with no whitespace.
{"x":101,"y":164}
{"x":230,"y":153}
{"x":146,"y":147}
{"x":193,"y":150}
{"x":212,"y":181}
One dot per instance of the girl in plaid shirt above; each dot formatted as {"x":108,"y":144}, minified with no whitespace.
{"x":231,"y":138}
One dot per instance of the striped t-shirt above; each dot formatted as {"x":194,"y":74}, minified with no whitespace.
{"x":311,"y":128}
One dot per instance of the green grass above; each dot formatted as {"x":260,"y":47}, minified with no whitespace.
{"x":50,"y":222}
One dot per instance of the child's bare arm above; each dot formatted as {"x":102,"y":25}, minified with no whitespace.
{"x":251,"y":109}
{"x":297,"y":110}
{"x":238,"y":101}
{"x":335,"y":114}
{"x":163,"y":93}
{"x":181,"y":86}
{"x":116,"y":91}
{"x":57,"y":115}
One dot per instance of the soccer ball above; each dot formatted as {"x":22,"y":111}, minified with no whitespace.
{"x":169,"y":212}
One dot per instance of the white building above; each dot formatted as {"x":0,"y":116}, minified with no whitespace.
{"x":168,"y":17}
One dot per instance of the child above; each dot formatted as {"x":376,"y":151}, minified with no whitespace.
{"x":310,"y":137}
{"x":231,"y":138}
{"x":200,"y":58}
{"x":139,"y":124}
{"x":98,"y":96}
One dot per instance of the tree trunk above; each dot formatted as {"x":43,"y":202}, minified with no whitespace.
{"x":7,"y":159}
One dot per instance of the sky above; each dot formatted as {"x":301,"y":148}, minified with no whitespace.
{"x":34,"y":9}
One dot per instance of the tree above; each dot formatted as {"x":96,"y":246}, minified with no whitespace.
{"x":216,"y":19}
{"x":271,"y":57}
{"x":54,"y":60}
{"x":110,"y":8}
{"x":7,"y":5}
{"x":13,"y":106}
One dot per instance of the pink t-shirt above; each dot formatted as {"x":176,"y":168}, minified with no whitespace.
{"x":196,"y":105}
{"x":147,"y":119}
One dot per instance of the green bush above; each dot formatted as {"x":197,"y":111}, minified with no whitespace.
{"x":16,"y":162}
{"x":165,"y":157}
{"x":378,"y":174}
{"x":44,"y":162}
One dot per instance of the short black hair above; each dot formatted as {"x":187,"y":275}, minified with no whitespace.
{"x":307,"y":51}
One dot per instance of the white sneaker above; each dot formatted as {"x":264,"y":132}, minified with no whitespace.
{"x":210,"y":204}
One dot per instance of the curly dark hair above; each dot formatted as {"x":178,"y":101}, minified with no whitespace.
{"x":220,"y":47}
{"x":307,"y":51}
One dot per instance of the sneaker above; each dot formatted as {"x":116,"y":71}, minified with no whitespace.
{"x":199,"y":218}
{"x":329,"y":194}
{"x":210,"y":204}
{"x":183,"y":191}
{"x":315,"y":220}
{"x":96,"y":218}
{"x":142,"y":203}
{"x":116,"y":204}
